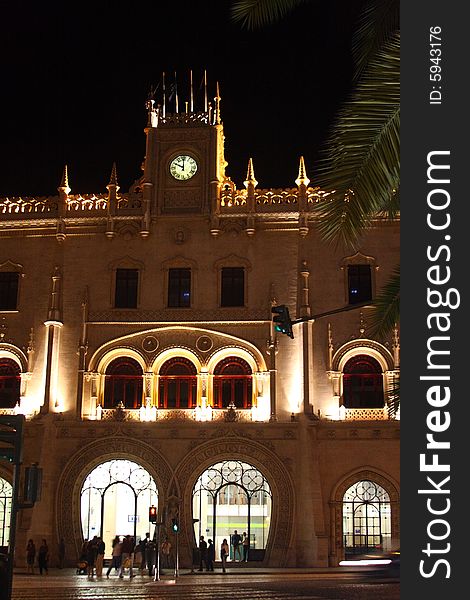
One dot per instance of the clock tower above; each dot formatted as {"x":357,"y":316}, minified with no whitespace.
{"x":184,"y":165}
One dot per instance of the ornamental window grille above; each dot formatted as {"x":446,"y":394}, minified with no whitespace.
{"x":123,"y":383}
{"x":366,"y":518}
{"x":233,"y":496}
{"x":363,"y":383}
{"x":6,"y":495}
{"x":177,"y":385}
{"x":115,"y":500}
{"x":232,"y":383}
{"x":10,"y":383}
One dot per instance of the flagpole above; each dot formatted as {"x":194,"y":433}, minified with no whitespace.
{"x":191,"y":79}
{"x":164,"y":96}
{"x":205,"y":90}
{"x":176,"y":94}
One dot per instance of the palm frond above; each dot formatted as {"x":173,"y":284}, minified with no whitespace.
{"x":385,"y":312}
{"x":254,"y":14}
{"x":361,"y":159}
{"x":378,"y":22}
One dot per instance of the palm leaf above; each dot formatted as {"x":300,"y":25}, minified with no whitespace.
{"x":362,"y":155}
{"x":385,"y":312}
{"x":378,"y":22}
{"x":254,"y":14}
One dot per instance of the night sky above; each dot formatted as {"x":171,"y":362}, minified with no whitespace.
{"x":75,"y":81}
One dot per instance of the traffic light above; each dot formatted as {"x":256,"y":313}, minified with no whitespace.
{"x":153,"y":514}
{"x":281,"y":320}
{"x":174,"y":525}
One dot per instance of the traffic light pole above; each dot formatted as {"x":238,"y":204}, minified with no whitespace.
{"x":331,"y":312}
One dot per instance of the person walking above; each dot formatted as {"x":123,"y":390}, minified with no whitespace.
{"x":224,"y":552}
{"x":246,"y":546}
{"x":61,"y":553}
{"x":203,"y":553}
{"x":143,"y":544}
{"x":126,"y":556}
{"x":210,"y":555}
{"x":115,"y":556}
{"x":236,"y":540}
{"x":43,"y":558}
{"x":30,"y":556}
{"x":91,"y":552}
{"x":100,"y":548}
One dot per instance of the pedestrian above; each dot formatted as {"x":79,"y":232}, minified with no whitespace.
{"x":115,"y":555}
{"x":127,"y":556}
{"x":150,"y":556}
{"x":210,"y":555}
{"x":43,"y":558}
{"x":246,"y":546}
{"x":143,"y":544}
{"x":61,"y":553}
{"x":166,"y":552}
{"x":30,"y":556}
{"x":224,"y":552}
{"x":203,"y":553}
{"x":138,"y":554}
{"x":236,"y":539}
{"x":100,"y":548}
{"x":91,"y":551}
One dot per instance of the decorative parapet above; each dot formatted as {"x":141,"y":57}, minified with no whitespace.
{"x":232,"y":199}
{"x":28,"y":205}
{"x":365,"y":414}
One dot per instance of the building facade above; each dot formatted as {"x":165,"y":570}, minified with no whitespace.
{"x":137,"y":338}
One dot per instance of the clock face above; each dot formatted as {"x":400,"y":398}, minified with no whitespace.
{"x":183,"y":167}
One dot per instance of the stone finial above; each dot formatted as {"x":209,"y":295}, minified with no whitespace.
{"x":217,"y":105}
{"x":250,"y":175}
{"x":64,"y":183}
{"x":302,"y":176}
{"x":113,"y":178}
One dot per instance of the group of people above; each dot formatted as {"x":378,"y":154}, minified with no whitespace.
{"x":207,"y":551}
{"x":42,"y":556}
{"x":126,"y":555}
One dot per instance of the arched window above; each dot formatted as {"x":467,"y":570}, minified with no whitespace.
{"x":115,"y":500}
{"x":123,"y":383}
{"x":10,"y":379}
{"x":6,"y":494}
{"x":233,"y":383}
{"x":363,"y":383}
{"x":177,"y":384}
{"x":366,"y":518}
{"x":233,"y":495}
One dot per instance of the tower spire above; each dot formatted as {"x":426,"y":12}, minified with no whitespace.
{"x":302,"y":176}
{"x":176,"y":95}
{"x":113,"y":178}
{"x":217,"y":105}
{"x":250,"y":175}
{"x":164,"y":96}
{"x":205,"y":90}
{"x":64,"y":183}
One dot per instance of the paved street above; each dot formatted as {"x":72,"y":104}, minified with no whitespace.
{"x":266,"y":585}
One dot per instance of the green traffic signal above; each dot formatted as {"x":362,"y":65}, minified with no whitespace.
{"x":281,"y":320}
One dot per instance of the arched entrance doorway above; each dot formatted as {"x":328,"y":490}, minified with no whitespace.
{"x":6,"y":493}
{"x":115,"y":499}
{"x":233,"y":496}
{"x":366,"y":518}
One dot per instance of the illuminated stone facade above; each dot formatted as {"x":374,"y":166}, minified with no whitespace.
{"x":202,"y":238}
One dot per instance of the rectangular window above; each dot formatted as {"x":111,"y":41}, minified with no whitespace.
{"x":127,"y":281}
{"x":9,"y":290}
{"x":179,"y":288}
{"x":359,"y":284}
{"x":232,"y":286}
